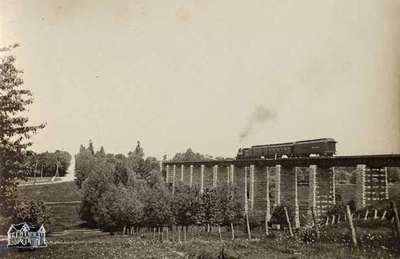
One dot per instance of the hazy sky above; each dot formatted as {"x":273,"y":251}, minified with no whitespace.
{"x":203,"y":74}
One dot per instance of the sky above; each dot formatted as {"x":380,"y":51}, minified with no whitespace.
{"x":210,"y":75}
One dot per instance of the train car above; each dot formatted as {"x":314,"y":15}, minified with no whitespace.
{"x":271,"y":150}
{"x":320,"y":147}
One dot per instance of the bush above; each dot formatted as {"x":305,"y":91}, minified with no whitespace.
{"x":256,"y":219}
{"x":279,"y":215}
{"x":33,"y":212}
{"x":307,"y":235}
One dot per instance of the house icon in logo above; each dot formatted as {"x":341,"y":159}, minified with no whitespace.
{"x":24,"y":235}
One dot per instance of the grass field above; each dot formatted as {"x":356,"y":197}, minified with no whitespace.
{"x":61,"y":200}
{"x":92,"y":244}
{"x":57,"y":192}
{"x":75,"y":242}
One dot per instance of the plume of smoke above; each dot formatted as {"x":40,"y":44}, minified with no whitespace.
{"x":259,"y":116}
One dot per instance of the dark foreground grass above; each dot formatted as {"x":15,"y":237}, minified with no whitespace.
{"x":94,"y":244}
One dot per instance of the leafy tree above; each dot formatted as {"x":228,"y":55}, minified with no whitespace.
{"x":101,"y":152}
{"x":99,"y":181}
{"x":157,"y":205}
{"x":138,"y":152}
{"x":107,"y":207}
{"x":141,"y":166}
{"x":189,"y":155}
{"x":130,"y":207}
{"x":15,"y":131}
{"x":186,"y":205}
{"x":34,"y":212}
{"x":227,"y":209}
{"x":84,"y":164}
{"x":47,"y":162}
{"x":208,"y":203}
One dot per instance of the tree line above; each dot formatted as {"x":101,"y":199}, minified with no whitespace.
{"x":121,"y":192}
{"x":47,"y":163}
{"x":129,"y":192}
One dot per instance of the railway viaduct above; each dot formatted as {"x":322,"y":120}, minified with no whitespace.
{"x":265,"y":183}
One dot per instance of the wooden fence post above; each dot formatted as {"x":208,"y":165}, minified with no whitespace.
{"x":396,"y":218}
{"x":233,"y":231}
{"x":288,"y":221}
{"x":179,"y":234}
{"x":266,"y":224}
{"x":366,"y":215}
{"x":383,"y":215}
{"x":315,"y":223}
{"x":248,"y":225}
{"x":352,"y":229}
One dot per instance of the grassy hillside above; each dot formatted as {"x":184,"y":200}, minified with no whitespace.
{"x":57,"y":192}
{"x":61,"y":199}
{"x":64,"y":216}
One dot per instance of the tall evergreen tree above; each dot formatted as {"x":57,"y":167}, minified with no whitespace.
{"x":138,"y":152}
{"x":15,"y":130}
{"x":90,"y":147}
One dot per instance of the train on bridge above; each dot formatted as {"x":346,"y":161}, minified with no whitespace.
{"x":325,"y":147}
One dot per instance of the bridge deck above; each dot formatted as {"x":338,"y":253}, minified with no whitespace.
{"x":388,"y":160}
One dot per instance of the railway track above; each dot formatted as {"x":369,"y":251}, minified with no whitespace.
{"x":381,"y":160}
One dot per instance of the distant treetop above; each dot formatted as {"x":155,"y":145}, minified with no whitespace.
{"x":189,"y":155}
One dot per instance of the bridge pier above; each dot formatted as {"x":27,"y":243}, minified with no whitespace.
{"x":215,"y":176}
{"x":208,"y":176}
{"x":191,"y":176}
{"x":173,"y":178}
{"x":240,"y":181}
{"x":321,"y":189}
{"x":277,"y":185}
{"x":232,"y":174}
{"x":201,"y":178}
{"x":196,"y":176}
{"x":371,"y":185}
{"x":286,"y":190}
{"x":167,"y":174}
{"x":267,"y":196}
{"x":182,"y":172}
{"x":228,"y":175}
{"x":259,"y":191}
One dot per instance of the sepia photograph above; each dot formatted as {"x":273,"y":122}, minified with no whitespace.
{"x":199,"y":129}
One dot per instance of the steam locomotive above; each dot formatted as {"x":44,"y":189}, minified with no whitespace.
{"x":305,"y":148}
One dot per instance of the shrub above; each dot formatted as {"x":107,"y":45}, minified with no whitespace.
{"x":33,"y":212}
{"x":279,"y":215}
{"x":307,"y":235}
